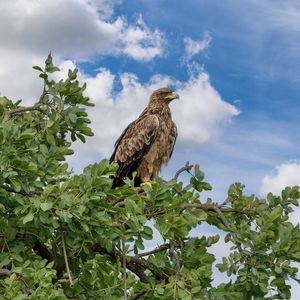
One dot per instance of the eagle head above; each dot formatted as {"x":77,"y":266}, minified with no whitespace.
{"x":163,"y":95}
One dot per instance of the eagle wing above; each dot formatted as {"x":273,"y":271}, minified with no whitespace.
{"x":173,"y":135}
{"x":133,"y":144}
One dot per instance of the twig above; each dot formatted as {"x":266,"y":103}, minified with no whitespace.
{"x":124,"y":268}
{"x":222,"y":218}
{"x":8,"y":114}
{"x":133,"y":267}
{"x":144,"y":264}
{"x":158,"y":249}
{"x":212,"y":207}
{"x":138,"y":295}
{"x":120,"y":203}
{"x":187,"y":168}
{"x":66,"y":258}
{"x":174,"y":254}
{"x":177,"y":261}
{"x":5,"y":272}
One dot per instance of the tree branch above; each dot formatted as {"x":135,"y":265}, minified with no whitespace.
{"x":10,"y":113}
{"x":136,"y":265}
{"x":138,"y":295}
{"x":124,"y":267}
{"x":5,"y":272}
{"x":187,"y":168}
{"x":177,"y":261}
{"x":158,"y":249}
{"x":213,"y":207}
{"x":66,"y":258}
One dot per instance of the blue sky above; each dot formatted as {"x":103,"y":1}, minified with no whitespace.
{"x":235,"y":64}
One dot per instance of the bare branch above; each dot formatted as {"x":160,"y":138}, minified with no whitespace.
{"x":66,"y":258}
{"x":158,"y":249}
{"x":124,"y":267}
{"x":5,"y":272}
{"x":138,"y":295}
{"x":146,"y":265}
{"x":213,"y":207}
{"x":136,"y":269}
{"x":10,"y":113}
{"x":177,"y":261}
{"x":187,"y":168}
{"x":222,"y":217}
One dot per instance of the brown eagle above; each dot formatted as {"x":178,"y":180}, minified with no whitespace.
{"x":147,"y":143}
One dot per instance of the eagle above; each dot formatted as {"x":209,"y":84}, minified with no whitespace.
{"x":148,"y":142}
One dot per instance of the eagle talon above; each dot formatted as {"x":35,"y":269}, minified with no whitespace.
{"x":146,"y":183}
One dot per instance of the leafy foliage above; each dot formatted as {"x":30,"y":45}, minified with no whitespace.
{"x":66,"y":236}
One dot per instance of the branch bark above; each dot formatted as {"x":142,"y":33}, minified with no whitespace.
{"x":66,"y":258}
{"x":124,"y":268}
{"x":215,"y":208}
{"x":187,"y":168}
{"x":158,"y":249}
{"x":5,"y":272}
{"x":136,"y":265}
{"x":10,"y":113}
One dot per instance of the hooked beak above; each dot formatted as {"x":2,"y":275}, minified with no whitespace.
{"x":173,"y":96}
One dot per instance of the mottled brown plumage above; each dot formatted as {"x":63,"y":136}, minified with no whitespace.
{"x":147,"y":143}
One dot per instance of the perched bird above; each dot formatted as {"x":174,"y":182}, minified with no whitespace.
{"x":147,"y":143}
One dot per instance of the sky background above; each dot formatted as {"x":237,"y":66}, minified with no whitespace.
{"x":234,"y":63}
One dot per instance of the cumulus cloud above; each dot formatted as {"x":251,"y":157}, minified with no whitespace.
{"x":141,"y":43}
{"x":199,"y":113}
{"x":193,"y":47}
{"x":76,"y":29}
{"x":287,"y":174}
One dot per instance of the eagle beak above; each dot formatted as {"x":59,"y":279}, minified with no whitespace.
{"x":173,"y":96}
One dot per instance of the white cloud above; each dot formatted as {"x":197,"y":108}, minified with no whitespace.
{"x":141,"y":43}
{"x":193,"y":47}
{"x":76,"y":29}
{"x":288,"y":174}
{"x":201,"y":110}
{"x":199,"y":113}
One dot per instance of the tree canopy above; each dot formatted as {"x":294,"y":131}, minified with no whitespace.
{"x":71,"y":236}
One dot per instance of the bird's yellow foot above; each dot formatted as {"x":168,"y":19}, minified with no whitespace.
{"x":147,"y":184}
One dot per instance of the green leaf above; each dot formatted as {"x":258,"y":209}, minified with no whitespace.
{"x":50,"y":138}
{"x":197,"y":185}
{"x":28,"y":218}
{"x":72,"y":74}
{"x":46,"y":206}
{"x":196,"y":289}
{"x":52,"y":69}
{"x":159,"y":290}
{"x":16,"y":184}
{"x":199,"y":174}
{"x":81,"y":137}
{"x":38,"y":68}
{"x":206,"y":186}
{"x":148,"y":230}
{"x":4,"y":259}
{"x":130,"y":206}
